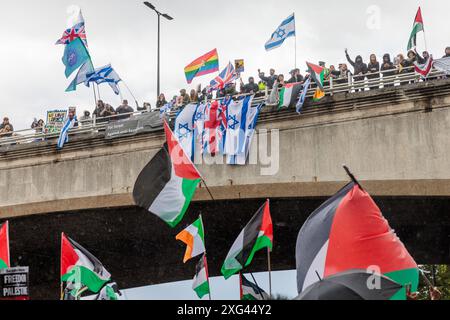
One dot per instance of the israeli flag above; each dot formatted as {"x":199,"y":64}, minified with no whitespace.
{"x":104,"y":74}
{"x":237,"y":117}
{"x":64,"y":134}
{"x":284,"y":31}
{"x":184,"y":129}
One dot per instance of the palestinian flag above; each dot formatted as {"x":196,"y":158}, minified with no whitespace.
{"x":257,"y":235}
{"x":349,"y":232}
{"x":417,"y":27}
{"x":79,"y":266}
{"x":317,"y":73}
{"x":289,"y":95}
{"x":424,"y":69}
{"x":318,"y":95}
{"x":167,"y":184}
{"x":251,"y":291}
{"x":201,"y":279}
{"x":4,"y":246}
{"x":194,"y":237}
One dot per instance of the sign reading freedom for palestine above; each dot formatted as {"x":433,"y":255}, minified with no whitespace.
{"x":147,"y":122}
{"x":14,"y":283}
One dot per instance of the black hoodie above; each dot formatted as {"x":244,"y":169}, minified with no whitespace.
{"x":385,"y":66}
{"x":359,"y":67}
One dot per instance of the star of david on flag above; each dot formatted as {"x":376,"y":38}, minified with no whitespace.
{"x":284,"y":31}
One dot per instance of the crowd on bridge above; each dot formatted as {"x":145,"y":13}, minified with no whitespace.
{"x":362,"y":71}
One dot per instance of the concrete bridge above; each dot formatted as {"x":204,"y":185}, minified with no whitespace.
{"x":396,"y":140}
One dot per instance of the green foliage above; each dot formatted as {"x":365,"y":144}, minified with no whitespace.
{"x":439,"y":277}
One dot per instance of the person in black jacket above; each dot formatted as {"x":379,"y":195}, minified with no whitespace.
{"x":296,"y":76}
{"x":270,"y":80}
{"x":360,"y":68}
{"x":250,"y":87}
{"x":386,"y":66}
{"x":373,"y":71}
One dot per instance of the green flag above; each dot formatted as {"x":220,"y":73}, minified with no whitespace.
{"x":81,"y":76}
{"x":417,"y":27}
{"x":75,"y":55}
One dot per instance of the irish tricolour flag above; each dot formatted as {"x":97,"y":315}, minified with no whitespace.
{"x":349,"y":232}
{"x":194,"y":238}
{"x":257,"y":235}
{"x":80,"y":267}
{"x":4,"y":246}
{"x":167,"y":184}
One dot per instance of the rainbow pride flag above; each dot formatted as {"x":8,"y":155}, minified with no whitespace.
{"x":206,"y":64}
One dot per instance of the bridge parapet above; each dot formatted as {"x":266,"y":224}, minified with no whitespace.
{"x":395,"y":139}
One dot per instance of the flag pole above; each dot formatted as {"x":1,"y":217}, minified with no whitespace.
{"x":95,"y":95}
{"x":352,"y":177}
{"x":207,"y":267}
{"x":270,"y":273}
{"x":295,"y":29}
{"x":259,"y":288}
{"x":128,"y":88}
{"x":62,"y":284}
{"x":98,"y":90}
{"x":207,"y":188}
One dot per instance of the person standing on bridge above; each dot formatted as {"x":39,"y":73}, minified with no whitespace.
{"x":124,"y":110}
{"x":373,"y":71}
{"x":6,"y":123}
{"x":161,"y":101}
{"x":360,"y":68}
{"x":386,"y":66}
{"x":270,"y":80}
{"x":447,"y":53}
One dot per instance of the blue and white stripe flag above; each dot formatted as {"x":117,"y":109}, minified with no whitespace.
{"x":184,"y":129}
{"x":284,"y":31}
{"x":104,"y":74}
{"x":237,"y":126}
{"x":64,"y":135}
{"x":302,"y":99}
{"x":165,"y":110}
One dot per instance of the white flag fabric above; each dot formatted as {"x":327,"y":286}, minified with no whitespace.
{"x":284,"y":31}
{"x":237,"y":113}
{"x":442,"y":65}
{"x":251,"y":122}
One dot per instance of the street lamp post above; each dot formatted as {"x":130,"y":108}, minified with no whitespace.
{"x":148,"y":4}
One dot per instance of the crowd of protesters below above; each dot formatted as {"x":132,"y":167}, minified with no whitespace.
{"x":362,"y":71}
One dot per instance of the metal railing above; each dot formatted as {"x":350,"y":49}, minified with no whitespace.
{"x":382,"y":79}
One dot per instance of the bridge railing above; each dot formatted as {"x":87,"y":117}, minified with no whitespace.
{"x":382,"y":79}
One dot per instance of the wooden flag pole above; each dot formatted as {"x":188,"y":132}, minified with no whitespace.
{"x":270,"y":273}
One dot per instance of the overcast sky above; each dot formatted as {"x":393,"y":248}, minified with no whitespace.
{"x":124,"y":33}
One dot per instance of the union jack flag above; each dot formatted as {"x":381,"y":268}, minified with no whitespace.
{"x":214,"y":127}
{"x":77,"y":31}
{"x":227,"y":76}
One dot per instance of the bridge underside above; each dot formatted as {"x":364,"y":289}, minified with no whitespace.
{"x":138,"y":249}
